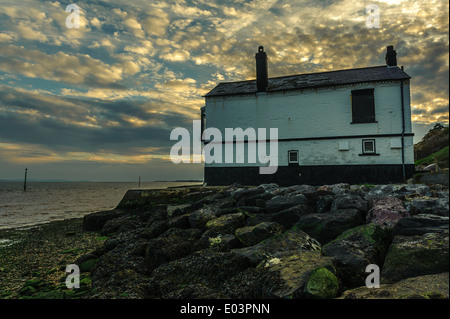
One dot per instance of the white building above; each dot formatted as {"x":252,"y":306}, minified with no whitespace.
{"x":350,"y":126}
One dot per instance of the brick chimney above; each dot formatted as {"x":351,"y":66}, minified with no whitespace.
{"x":391,"y":56}
{"x":262,"y":80}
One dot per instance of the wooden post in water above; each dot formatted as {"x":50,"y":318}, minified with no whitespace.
{"x":25,"y":181}
{"x":139,"y":182}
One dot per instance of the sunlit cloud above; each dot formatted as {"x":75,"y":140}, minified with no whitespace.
{"x":134,"y":70}
{"x":33,"y":154}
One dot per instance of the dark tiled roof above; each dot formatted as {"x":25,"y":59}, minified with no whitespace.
{"x":313,"y":80}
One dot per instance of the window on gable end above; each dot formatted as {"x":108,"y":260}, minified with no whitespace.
{"x":363,"y":106}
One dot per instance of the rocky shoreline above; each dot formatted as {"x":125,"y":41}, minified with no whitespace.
{"x":267,"y":242}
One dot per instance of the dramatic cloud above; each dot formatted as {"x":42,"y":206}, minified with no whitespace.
{"x":61,"y":67}
{"x":103,"y":98}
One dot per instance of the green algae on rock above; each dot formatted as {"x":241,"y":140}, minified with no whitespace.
{"x":355,"y":248}
{"x":322,"y":284}
{"x":293,"y":239}
{"x":226,"y":223}
{"x":411,"y":256}
{"x":421,"y":287}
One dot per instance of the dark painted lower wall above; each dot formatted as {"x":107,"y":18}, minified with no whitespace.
{"x":310,"y":175}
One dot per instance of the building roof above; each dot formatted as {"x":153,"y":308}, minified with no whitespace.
{"x":313,"y":80}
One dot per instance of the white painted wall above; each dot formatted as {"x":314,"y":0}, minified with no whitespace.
{"x":326,"y":152}
{"x":319,"y":113}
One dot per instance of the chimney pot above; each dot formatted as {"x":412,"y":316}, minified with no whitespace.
{"x":262,"y":79}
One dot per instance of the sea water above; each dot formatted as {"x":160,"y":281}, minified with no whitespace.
{"x":44,"y":202}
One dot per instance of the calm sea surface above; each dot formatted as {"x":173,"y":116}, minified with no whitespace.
{"x":49,"y":201}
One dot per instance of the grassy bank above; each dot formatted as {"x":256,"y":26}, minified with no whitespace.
{"x":440,"y":156}
{"x":33,"y":259}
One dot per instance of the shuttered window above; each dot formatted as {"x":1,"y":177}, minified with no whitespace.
{"x":363,"y":106}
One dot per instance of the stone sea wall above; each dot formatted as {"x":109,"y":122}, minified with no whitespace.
{"x":273,"y":242}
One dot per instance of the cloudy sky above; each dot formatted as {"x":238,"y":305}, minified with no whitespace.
{"x":98,"y":102}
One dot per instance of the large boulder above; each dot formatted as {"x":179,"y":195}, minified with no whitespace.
{"x":217,"y":240}
{"x":211,"y":200}
{"x":255,"y":219}
{"x":226,"y":223}
{"x":206,"y":268}
{"x":439,"y":191}
{"x":307,"y":190}
{"x":421,"y":224}
{"x":300,"y":189}
{"x":278,"y":203}
{"x":337,"y":189}
{"x":181,"y":221}
{"x":323,"y":203}
{"x":251,"y":210}
{"x":177,"y":210}
{"x":200,"y":217}
{"x":293,"y":239}
{"x":421,"y":287}
{"x":157,"y":213}
{"x":349,"y":201}
{"x":249,"y":196}
{"x":435,"y":206}
{"x":156,"y":228}
{"x":288,"y":217}
{"x":355,"y":249}
{"x":327,"y":226}
{"x":173,"y":244}
{"x":386,"y":211}
{"x":251,"y":235}
{"x":401,"y":190}
{"x":241,"y":193}
{"x":121,"y":224}
{"x":287,"y":275}
{"x":411,"y":256}
{"x":322,"y":284}
{"x":96,"y":221}
{"x":415,"y":189}
{"x":124,"y":251}
{"x":379,"y":191}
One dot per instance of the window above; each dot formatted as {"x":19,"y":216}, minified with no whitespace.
{"x":293,"y":156}
{"x":363,"y":106}
{"x":368,"y":146}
